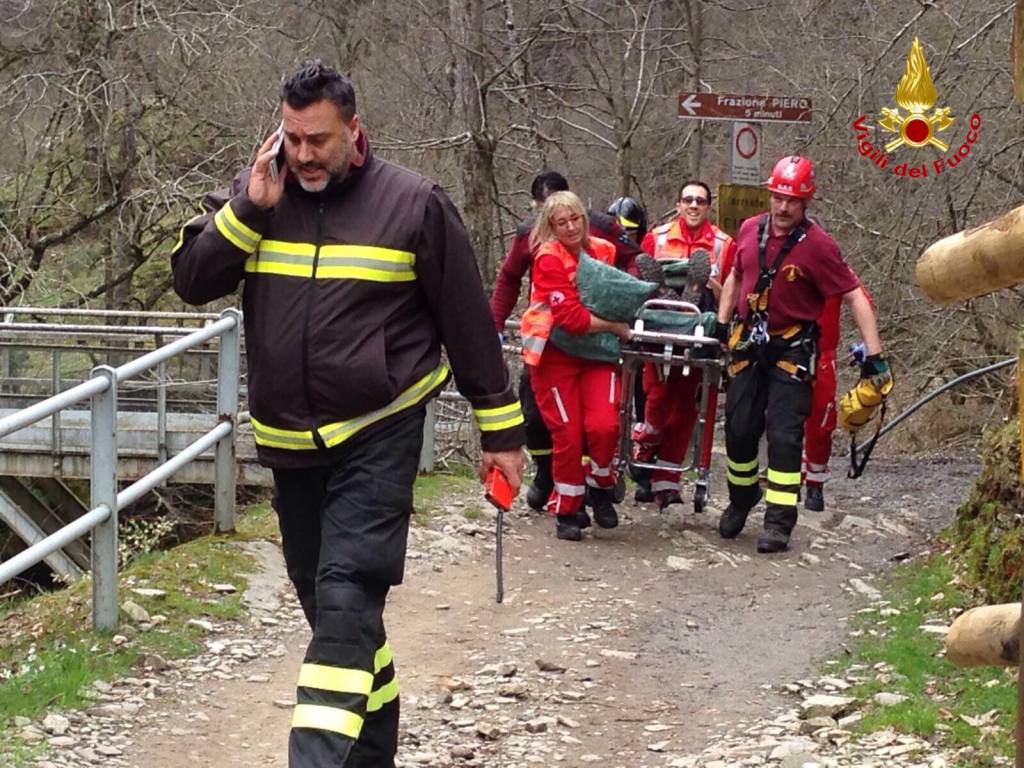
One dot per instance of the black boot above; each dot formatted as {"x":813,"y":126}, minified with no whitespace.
{"x":815,"y":500}
{"x":583,"y":518}
{"x":732,"y":521}
{"x":772,"y":540}
{"x":643,"y":493}
{"x":665,"y":499}
{"x":540,"y":489}
{"x":604,"y":510}
{"x":567,"y":528}
{"x":697,"y":275}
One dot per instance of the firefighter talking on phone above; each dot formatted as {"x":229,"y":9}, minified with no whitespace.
{"x":356,"y":271}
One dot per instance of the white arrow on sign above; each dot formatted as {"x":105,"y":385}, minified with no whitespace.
{"x":691,"y":104}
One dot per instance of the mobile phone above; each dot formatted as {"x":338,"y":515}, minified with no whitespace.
{"x":278,"y":149}
{"x":498,"y":489}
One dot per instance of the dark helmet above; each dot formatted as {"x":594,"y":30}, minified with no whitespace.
{"x":631,"y":215}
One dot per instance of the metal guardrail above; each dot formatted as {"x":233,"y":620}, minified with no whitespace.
{"x":101,"y":390}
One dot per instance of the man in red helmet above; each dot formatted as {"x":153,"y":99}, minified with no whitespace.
{"x":786,"y":268}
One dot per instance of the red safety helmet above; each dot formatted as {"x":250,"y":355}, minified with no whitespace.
{"x":793,"y":176}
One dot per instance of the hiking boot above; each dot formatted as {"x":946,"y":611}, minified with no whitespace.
{"x":697,"y":275}
{"x":732,"y":521}
{"x":583,"y":519}
{"x":604,"y":510}
{"x":649,"y":269}
{"x":815,"y":500}
{"x":643,"y":493}
{"x":667,"y":498}
{"x":772,"y":540}
{"x":567,"y":528}
{"x":537,"y":497}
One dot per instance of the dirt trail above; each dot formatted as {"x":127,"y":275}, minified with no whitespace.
{"x":657,"y":653}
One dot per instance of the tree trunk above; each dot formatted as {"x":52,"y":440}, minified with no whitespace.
{"x":478,"y":180}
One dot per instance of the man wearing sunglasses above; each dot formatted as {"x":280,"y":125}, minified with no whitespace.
{"x":671,"y":401}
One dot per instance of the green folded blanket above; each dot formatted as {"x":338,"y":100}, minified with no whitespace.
{"x":609,"y":293}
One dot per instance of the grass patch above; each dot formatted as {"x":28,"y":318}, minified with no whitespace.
{"x":959,"y":708}
{"x":432,"y":491}
{"x":50,"y":657}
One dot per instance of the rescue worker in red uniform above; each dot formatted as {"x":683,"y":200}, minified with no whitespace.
{"x":671,"y":402}
{"x":822,"y":421}
{"x":786,"y":268}
{"x":517,"y":264}
{"x":578,"y":398}
{"x":356,"y":271}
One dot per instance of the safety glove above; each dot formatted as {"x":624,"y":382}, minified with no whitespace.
{"x":876,"y":370}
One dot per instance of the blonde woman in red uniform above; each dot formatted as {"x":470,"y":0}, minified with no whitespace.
{"x":578,"y":397}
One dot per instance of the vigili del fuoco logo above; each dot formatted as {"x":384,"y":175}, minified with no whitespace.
{"x":916,"y":123}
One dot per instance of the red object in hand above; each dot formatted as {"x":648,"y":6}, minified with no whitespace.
{"x":499,"y":490}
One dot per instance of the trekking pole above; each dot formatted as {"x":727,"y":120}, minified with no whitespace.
{"x":499,"y":590}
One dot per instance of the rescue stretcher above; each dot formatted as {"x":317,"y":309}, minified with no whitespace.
{"x":668,"y":349}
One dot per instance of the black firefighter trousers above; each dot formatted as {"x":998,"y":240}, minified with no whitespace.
{"x":344,"y":530}
{"x":764,"y":397}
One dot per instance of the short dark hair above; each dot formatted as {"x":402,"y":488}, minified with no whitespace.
{"x":546,"y":182}
{"x":694,"y":183}
{"x":316,"y":81}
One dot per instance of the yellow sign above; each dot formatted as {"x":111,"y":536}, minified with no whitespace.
{"x":916,"y":94}
{"x":737,"y":202}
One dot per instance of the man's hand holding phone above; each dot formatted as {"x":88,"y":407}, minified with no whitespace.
{"x":266,"y":179}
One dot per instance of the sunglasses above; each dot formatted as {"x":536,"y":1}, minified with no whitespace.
{"x":690,"y":200}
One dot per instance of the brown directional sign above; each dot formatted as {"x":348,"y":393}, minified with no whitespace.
{"x":746,"y":107}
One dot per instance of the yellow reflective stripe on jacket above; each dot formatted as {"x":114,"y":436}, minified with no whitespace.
{"x":272,"y":437}
{"x":333,"y":434}
{"x":383,"y":695}
{"x":539,"y":451}
{"x":339,"y":679}
{"x":355,"y":262}
{"x":382,"y":657}
{"x":327,"y":719}
{"x":237,"y":233}
{"x":503,"y":417}
{"x":338,"y":432}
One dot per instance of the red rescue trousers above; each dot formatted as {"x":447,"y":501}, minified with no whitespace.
{"x":579,"y":401}
{"x":821,"y":422}
{"x":670,"y":412}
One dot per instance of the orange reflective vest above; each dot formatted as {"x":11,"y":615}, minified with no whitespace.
{"x":537,"y":321}
{"x":671,"y":243}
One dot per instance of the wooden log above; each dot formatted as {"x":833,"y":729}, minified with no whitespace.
{"x":985,"y":636}
{"x":976,"y":261}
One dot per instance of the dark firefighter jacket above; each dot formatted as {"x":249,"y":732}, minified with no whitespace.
{"x":349,"y":294}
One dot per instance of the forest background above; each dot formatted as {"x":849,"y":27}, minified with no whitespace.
{"x":118,"y":116}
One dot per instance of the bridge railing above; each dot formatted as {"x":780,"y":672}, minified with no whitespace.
{"x":101,"y":390}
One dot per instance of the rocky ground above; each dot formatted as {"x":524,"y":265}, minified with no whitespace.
{"x":655,"y":644}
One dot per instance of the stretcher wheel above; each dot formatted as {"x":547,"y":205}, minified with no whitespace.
{"x":700,"y":498}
